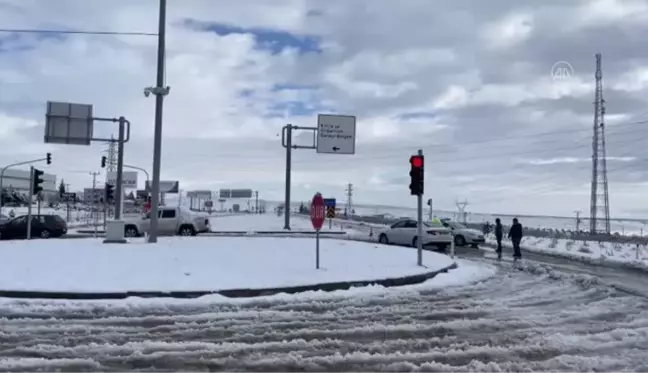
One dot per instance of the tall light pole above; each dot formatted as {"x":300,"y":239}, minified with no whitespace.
{"x":159,"y":91}
{"x":139,"y":169}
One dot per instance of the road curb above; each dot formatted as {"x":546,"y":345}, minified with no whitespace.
{"x":232,"y":293}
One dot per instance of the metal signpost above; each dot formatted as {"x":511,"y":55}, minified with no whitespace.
{"x":429,"y":203}
{"x":73,"y":124}
{"x":330,"y":210}
{"x":317,"y":215}
{"x":334,"y":134}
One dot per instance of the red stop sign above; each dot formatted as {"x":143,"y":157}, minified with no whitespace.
{"x":317,"y":211}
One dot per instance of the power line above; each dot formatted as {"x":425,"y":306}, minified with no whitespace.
{"x":78,"y":32}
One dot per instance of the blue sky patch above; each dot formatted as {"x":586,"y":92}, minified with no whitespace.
{"x":274,"y":41}
{"x":286,"y":87}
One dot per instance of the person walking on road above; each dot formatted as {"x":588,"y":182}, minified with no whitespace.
{"x":498,"y":237}
{"x":515,"y":234}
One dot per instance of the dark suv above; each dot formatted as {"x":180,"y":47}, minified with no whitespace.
{"x":43,"y":226}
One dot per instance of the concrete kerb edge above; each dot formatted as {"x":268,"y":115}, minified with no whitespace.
{"x":232,"y":293}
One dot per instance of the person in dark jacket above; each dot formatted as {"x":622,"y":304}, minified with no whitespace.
{"x":515,"y":234}
{"x":498,"y":237}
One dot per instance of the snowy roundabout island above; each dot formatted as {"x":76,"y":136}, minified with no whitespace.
{"x":197,"y":266}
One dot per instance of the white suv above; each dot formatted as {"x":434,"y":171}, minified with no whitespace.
{"x":171,"y":221}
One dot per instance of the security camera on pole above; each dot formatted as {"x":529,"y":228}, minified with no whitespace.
{"x":417,"y":177}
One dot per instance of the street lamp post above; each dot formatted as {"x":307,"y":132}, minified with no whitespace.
{"x":139,"y":169}
{"x":159,"y":91}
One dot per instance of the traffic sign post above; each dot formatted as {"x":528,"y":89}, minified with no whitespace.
{"x":334,"y":134}
{"x":73,"y":124}
{"x":317,"y":214}
{"x":330,"y":210}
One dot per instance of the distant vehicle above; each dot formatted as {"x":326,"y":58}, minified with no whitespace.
{"x":405,"y":232}
{"x":463,"y":235}
{"x":43,"y":226}
{"x":171,"y":221}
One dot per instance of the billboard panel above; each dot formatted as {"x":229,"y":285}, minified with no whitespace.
{"x":129,"y":179}
{"x":171,"y":187}
{"x":200,"y":194}
{"x":241,"y":193}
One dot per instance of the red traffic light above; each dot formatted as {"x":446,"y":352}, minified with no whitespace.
{"x":416,"y":161}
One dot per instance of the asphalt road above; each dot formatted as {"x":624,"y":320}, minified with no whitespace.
{"x":539,"y":316}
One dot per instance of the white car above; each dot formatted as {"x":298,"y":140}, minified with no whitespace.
{"x":405,"y":232}
{"x":463,"y":235}
{"x":171,"y":221}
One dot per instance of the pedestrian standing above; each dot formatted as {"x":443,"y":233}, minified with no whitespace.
{"x":498,"y":237}
{"x":515,"y":234}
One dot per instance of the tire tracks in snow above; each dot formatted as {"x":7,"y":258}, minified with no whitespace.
{"x":529,"y":319}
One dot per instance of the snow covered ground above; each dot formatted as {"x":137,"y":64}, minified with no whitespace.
{"x":510,"y":320}
{"x":200,"y":264}
{"x":630,"y":254}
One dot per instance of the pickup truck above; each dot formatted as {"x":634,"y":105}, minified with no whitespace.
{"x":171,"y":221}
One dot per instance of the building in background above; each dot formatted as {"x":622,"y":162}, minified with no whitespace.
{"x":18,"y":180}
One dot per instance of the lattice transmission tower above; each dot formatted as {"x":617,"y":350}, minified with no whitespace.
{"x":111,"y":157}
{"x":600,"y":202}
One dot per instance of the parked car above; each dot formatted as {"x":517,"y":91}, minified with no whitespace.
{"x":463,"y":235}
{"x":43,"y":226}
{"x":171,"y":221}
{"x":405,"y":232}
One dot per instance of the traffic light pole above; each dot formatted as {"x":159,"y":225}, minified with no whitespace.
{"x":29,"y":201}
{"x":119,"y":188}
{"x":419,"y":224}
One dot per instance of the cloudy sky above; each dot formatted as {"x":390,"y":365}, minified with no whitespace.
{"x":469,"y":82}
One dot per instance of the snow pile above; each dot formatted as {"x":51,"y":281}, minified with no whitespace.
{"x":200,"y":264}
{"x":628,"y":254}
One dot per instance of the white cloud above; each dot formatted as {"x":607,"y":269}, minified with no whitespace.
{"x":471,"y":86}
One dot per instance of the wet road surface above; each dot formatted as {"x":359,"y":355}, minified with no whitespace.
{"x":528,"y":318}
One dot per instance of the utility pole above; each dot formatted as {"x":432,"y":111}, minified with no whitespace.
{"x":95,"y":208}
{"x":159,"y":91}
{"x":577,"y":220}
{"x":461,"y":206}
{"x":256,"y":203}
{"x":349,"y":202}
{"x":599,"y":202}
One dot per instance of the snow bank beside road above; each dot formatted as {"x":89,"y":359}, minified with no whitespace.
{"x":200,"y":264}
{"x":595,"y":252}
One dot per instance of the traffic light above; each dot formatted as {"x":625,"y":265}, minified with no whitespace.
{"x":37,"y":180}
{"x":49,"y":158}
{"x":110,"y":193}
{"x":416,"y":175}
{"x":103,"y":161}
